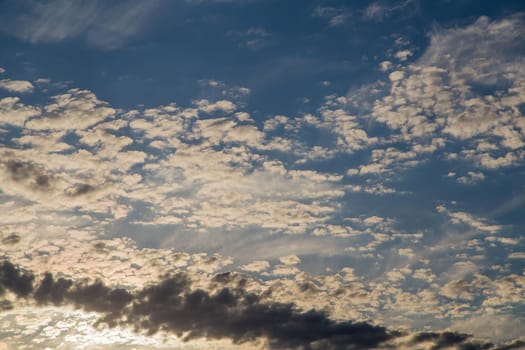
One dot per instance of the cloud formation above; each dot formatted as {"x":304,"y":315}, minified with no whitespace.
{"x":173,"y":306}
{"x":101,"y":24}
{"x":467,"y":93}
{"x":361,"y":192}
{"x":20,"y":86}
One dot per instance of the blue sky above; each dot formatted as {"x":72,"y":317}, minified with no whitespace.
{"x":361,"y":159}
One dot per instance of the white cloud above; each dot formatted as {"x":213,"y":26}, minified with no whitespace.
{"x":210,"y":107}
{"x":403,"y":55}
{"x":459,"y":217}
{"x":13,"y":112}
{"x":503,"y":240}
{"x":385,"y":66}
{"x":230,"y":186}
{"x":43,"y":81}
{"x":472,"y":177}
{"x":290,"y":260}
{"x":256,"y":266}
{"x":517,"y":255}
{"x":20,"y":86}
{"x":396,"y":76}
{"x":77,"y":109}
{"x":216,"y":87}
{"x":466,"y":91}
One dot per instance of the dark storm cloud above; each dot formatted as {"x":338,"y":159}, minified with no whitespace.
{"x":12,"y":238}
{"x":230,"y":311}
{"x":518,"y":344}
{"x":51,"y":291}
{"x":80,"y":189}
{"x":233,"y":313}
{"x":243,"y":317}
{"x":441,"y":340}
{"x":446,"y":340}
{"x":15,"y":280}
{"x":20,"y":171}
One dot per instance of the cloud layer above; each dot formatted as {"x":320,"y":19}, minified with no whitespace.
{"x":103,"y":25}
{"x":391,"y":196}
{"x":227,"y":312}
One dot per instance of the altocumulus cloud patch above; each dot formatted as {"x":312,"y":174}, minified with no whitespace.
{"x":381,"y":213}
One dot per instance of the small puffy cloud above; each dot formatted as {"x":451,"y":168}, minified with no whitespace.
{"x":472,"y":177}
{"x":216,"y":87}
{"x":20,"y":86}
{"x":43,"y":81}
{"x":396,"y":76}
{"x":290,"y":260}
{"x":403,"y":55}
{"x":77,"y":109}
{"x":243,"y":117}
{"x":248,"y":134}
{"x":275,"y":122}
{"x":218,"y":106}
{"x":256,"y":266}
{"x":385,"y":66}
{"x":408,"y":252}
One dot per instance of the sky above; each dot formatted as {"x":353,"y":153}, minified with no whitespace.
{"x":262,"y":174}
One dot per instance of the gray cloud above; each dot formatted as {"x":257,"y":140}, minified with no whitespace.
{"x":226,"y":311}
{"x":12,"y":238}
{"x":20,"y":171}
{"x":15,"y":280}
{"x":80,"y":189}
{"x":173,"y":306}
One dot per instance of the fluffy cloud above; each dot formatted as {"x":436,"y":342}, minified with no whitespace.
{"x":20,"y":86}
{"x":472,"y":177}
{"x":469,"y":91}
{"x":78,"y":109}
{"x":14,"y":112}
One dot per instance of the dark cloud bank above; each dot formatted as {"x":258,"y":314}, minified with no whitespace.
{"x":229,"y":311}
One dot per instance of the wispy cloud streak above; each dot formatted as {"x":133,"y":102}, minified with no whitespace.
{"x":103,"y":24}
